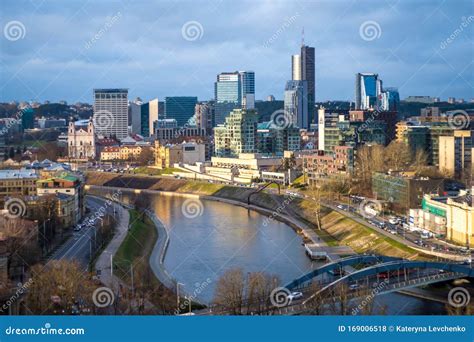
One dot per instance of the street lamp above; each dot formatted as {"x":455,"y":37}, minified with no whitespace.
{"x":177,"y":294}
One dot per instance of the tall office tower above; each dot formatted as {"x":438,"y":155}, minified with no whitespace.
{"x":180,"y":108}
{"x":153,"y":115}
{"x":389,"y":100}
{"x":135,"y":111}
{"x":144,"y":117}
{"x":111,"y":112}
{"x":237,"y":135}
{"x":367,"y":90}
{"x":204,"y":114}
{"x":307,"y":74}
{"x":27,"y":118}
{"x":247,"y":81}
{"x":296,"y":68}
{"x":296,"y":103}
{"x":233,"y":90}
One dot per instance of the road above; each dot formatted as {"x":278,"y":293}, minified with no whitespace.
{"x":81,"y":245}
{"x":394,"y":231}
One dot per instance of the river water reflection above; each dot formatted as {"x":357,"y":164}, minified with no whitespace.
{"x":208,"y":237}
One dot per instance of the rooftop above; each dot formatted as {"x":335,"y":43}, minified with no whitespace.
{"x":17,"y":174}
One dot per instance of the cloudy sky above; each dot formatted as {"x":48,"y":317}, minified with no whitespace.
{"x":61,"y":50}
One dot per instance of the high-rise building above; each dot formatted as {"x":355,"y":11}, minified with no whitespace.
{"x":111,"y":112}
{"x":27,"y":119}
{"x":390,"y":99}
{"x":274,"y":140}
{"x":205,"y":115}
{"x":180,"y":108}
{"x":296,"y":68}
{"x":308,"y":74}
{"x":233,"y":90}
{"x":296,"y":103}
{"x":367,"y":90}
{"x":237,"y":135}
{"x":136,"y":115}
{"x":144,"y":116}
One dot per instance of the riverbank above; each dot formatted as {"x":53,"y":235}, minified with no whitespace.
{"x":336,"y":229}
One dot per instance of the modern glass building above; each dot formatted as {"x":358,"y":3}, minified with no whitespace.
{"x":296,"y":103}
{"x":308,"y":75}
{"x":390,"y":100}
{"x":233,"y":90}
{"x":180,"y":108}
{"x":274,"y":141}
{"x":27,"y":119}
{"x":111,"y":112}
{"x":368,"y":88}
{"x":237,"y":135}
{"x":144,"y":117}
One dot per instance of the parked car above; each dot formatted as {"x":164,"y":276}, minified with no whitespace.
{"x":295,"y":295}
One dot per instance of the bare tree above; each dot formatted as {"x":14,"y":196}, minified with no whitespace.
{"x":57,"y":287}
{"x":230,"y":289}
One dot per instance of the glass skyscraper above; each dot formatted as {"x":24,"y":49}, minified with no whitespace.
{"x":296,"y":103}
{"x":180,"y":108}
{"x":308,"y":75}
{"x":233,"y":90}
{"x":367,"y":90}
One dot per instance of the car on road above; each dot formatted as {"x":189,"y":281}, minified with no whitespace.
{"x":295,"y":295}
{"x":393,"y":220}
{"x":354,"y":286}
{"x":394,"y":232}
{"x":340,"y":207}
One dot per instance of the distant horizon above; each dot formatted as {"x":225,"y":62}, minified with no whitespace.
{"x":54,"y":52}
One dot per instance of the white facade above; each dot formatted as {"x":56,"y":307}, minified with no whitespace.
{"x":111,"y":112}
{"x":81,"y":141}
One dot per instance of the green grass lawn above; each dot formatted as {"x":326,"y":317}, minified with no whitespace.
{"x":156,"y":172}
{"x":137,"y":245}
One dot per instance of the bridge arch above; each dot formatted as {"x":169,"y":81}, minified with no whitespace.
{"x":396,"y":266}
{"x":349,"y":261}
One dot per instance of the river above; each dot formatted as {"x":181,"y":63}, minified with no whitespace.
{"x":208,"y":238}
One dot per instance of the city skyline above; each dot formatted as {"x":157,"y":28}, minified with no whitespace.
{"x":158,"y":50}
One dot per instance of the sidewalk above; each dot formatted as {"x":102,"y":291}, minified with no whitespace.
{"x":104,"y":261}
